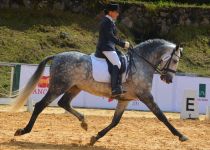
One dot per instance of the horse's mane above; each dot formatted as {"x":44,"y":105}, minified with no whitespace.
{"x":152,"y":45}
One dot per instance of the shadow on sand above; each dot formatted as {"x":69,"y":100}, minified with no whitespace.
{"x":32,"y":145}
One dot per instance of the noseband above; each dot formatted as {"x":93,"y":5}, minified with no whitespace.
{"x":162,"y":71}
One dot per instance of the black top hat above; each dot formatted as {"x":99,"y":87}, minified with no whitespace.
{"x":112,"y":7}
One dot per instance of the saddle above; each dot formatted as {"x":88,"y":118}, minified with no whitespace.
{"x":102,"y":68}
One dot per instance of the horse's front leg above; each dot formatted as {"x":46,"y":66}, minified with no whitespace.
{"x":148,"y":100}
{"x":121,"y":106}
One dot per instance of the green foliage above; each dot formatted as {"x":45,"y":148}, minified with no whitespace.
{"x":196,"y":44}
{"x":4,"y":80}
{"x":29,"y":36}
{"x":154,"y":4}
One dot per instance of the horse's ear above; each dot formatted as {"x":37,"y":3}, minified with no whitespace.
{"x":181,"y":51}
{"x":180,"y":47}
{"x":177,"y":47}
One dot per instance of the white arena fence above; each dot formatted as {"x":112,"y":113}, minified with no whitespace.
{"x":168,"y":96}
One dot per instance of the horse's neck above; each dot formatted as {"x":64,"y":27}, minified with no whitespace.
{"x":153,"y":57}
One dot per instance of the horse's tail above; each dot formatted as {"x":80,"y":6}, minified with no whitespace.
{"x":30,"y":86}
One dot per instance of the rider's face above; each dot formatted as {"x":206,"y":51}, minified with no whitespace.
{"x":114,"y":14}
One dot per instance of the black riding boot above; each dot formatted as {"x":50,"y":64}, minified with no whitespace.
{"x":116,"y":88}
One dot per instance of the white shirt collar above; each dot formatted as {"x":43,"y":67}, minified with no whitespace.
{"x":110,"y":18}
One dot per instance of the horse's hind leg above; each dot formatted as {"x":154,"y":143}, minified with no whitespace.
{"x":65,"y":102}
{"x":39,"y":107}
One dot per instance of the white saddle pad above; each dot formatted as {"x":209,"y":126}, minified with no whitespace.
{"x":100,"y":70}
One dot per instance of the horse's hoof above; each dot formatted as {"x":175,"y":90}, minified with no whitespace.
{"x":84,"y":125}
{"x":93,"y":140}
{"x":19,"y":132}
{"x":183,"y":138}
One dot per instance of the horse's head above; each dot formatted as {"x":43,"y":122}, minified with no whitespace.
{"x":169,"y":63}
{"x":161,"y":55}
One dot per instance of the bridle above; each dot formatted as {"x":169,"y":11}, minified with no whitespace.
{"x":166,"y":68}
{"x":162,"y":71}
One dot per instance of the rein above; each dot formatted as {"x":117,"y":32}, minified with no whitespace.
{"x":162,"y":71}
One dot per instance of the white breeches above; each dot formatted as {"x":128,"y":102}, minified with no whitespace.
{"x":113,"y":58}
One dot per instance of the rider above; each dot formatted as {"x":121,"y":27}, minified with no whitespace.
{"x":106,"y":45}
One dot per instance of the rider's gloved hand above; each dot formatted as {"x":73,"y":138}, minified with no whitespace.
{"x":127,"y":45}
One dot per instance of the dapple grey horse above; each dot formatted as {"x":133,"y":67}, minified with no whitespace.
{"x":71,"y":72}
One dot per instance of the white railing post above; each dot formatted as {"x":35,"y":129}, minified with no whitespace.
{"x":11,"y":81}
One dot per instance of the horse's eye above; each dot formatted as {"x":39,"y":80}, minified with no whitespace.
{"x":175,"y":61}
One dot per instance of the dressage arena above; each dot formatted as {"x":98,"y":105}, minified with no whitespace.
{"x":55,"y":129}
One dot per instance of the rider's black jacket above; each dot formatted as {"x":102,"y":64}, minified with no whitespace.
{"x":107,"y":37}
